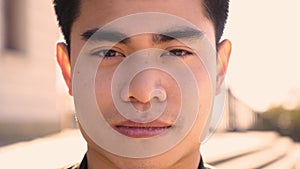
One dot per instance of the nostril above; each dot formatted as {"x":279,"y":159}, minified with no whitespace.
{"x":132,"y":99}
{"x":159,"y":94}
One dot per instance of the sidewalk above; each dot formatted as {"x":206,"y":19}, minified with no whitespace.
{"x":251,"y":150}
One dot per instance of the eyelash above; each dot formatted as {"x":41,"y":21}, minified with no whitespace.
{"x":109,"y":53}
{"x":174,"y":52}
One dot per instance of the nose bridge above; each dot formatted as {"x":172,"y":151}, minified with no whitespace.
{"x":146,"y":85}
{"x":141,"y":41}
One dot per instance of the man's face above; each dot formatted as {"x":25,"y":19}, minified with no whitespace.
{"x":96,"y":14}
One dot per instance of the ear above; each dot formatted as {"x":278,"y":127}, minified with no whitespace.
{"x":63,"y":60}
{"x":224,"y":51}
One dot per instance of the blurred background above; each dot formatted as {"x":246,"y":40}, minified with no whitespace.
{"x":32,"y":97}
{"x":263,"y":78}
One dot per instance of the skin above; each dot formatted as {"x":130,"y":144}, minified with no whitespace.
{"x":186,"y":154}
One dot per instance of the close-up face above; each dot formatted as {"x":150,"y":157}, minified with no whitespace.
{"x":154,"y":85}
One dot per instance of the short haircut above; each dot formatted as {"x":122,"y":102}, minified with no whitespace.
{"x":67,"y":12}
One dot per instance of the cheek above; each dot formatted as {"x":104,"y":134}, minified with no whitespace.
{"x":204,"y":83}
{"x":174,"y":98}
{"x":206,"y":95}
{"x":103,"y":93}
{"x":102,"y":87}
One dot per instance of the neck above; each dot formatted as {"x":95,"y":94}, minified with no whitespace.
{"x":97,"y":160}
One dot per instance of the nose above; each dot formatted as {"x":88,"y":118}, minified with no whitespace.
{"x":145,"y":87}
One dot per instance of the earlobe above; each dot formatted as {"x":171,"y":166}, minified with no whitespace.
{"x":63,"y":60}
{"x":224,"y":51}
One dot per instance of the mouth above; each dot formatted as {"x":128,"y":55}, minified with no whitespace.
{"x":140,"y":130}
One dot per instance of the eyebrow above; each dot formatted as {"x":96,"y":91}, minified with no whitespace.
{"x":179,"y":33}
{"x":116,"y":36}
{"x":112,"y":36}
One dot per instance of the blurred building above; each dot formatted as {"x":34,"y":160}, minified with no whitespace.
{"x":30,"y":102}
{"x":237,"y":116}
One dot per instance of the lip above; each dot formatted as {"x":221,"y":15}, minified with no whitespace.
{"x":142,"y":130}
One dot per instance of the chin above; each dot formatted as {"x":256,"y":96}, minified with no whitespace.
{"x":187,"y":150}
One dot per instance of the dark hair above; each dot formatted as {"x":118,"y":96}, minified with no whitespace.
{"x":217,"y":12}
{"x":67,"y":12}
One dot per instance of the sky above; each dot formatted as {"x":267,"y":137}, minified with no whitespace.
{"x":265,"y":62}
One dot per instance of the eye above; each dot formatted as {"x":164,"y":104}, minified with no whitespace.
{"x":177,"y":52}
{"x":107,"y":53}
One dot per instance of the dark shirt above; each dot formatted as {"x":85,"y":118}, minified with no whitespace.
{"x":83,"y":165}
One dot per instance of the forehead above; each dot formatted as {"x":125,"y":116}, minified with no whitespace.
{"x":125,"y":7}
{"x":97,"y":13}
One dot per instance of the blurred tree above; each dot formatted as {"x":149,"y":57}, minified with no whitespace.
{"x":284,"y":121}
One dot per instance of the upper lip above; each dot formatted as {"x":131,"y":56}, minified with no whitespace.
{"x":154,"y":124}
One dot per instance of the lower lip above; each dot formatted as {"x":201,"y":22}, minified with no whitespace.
{"x":141,"y":132}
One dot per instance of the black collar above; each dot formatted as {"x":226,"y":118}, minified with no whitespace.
{"x":201,"y":165}
{"x":83,"y":164}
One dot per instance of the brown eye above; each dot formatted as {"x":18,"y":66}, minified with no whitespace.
{"x":108,"y":53}
{"x":177,"y":52}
